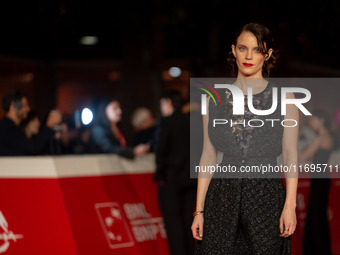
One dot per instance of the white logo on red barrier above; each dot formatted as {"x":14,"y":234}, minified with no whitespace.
{"x":143,"y":226}
{"x":115,"y":228}
{"x":6,"y":235}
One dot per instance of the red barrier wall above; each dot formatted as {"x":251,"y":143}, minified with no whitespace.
{"x":99,"y":205}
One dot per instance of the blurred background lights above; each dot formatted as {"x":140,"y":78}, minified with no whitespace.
{"x":175,"y":71}
{"x":113,"y":76}
{"x":89,"y":40}
{"x":26,"y":77}
{"x":86,"y":116}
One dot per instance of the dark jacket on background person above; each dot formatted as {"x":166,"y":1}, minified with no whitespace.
{"x":173,"y":150}
{"x":102,"y":137}
{"x":145,"y":136}
{"x":13,"y":141}
{"x":106,"y":142}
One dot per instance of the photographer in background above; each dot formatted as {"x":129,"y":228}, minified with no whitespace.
{"x":13,"y":141}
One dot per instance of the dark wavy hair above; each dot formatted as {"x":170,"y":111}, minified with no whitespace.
{"x":265,"y":42}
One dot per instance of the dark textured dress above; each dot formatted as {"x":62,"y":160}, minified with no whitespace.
{"x":241,"y":215}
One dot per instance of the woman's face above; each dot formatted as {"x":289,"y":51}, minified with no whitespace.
{"x":113,"y":111}
{"x":315,"y":123}
{"x":33,"y":126}
{"x":249,"y":59}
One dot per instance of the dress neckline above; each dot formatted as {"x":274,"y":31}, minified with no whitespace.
{"x":261,"y":92}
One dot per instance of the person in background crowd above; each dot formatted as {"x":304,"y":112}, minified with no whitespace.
{"x":317,"y":234}
{"x":107,"y":136}
{"x":31,"y":124}
{"x":176,"y":191}
{"x":13,"y":141}
{"x":57,"y":144}
{"x":145,"y":125}
{"x":60,"y":142}
{"x":82,"y":143}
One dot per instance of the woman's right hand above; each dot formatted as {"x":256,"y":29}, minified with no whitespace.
{"x":197,"y":227}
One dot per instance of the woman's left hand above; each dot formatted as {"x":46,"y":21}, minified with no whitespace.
{"x":287,"y":220}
